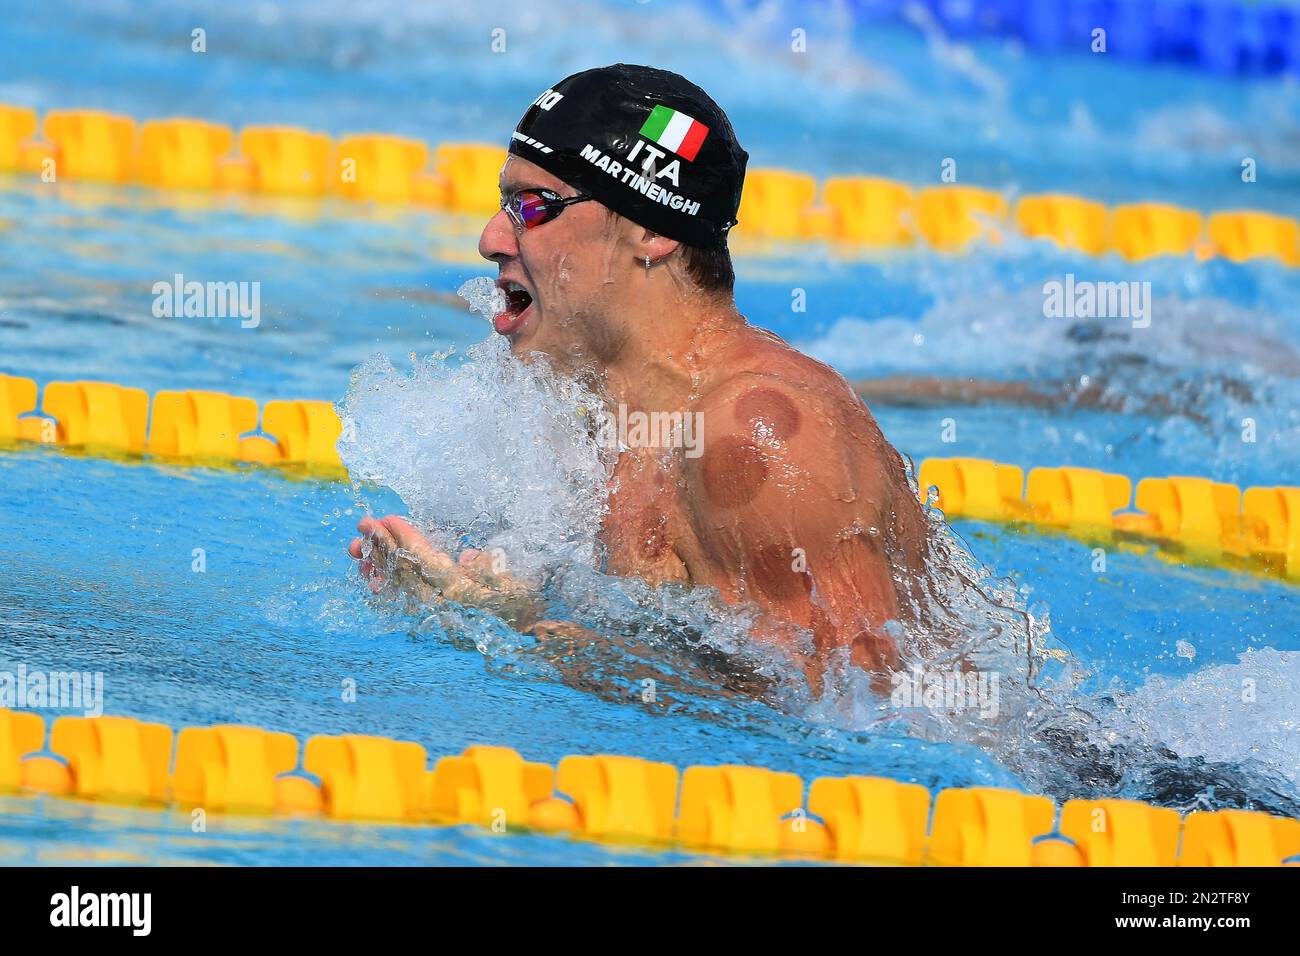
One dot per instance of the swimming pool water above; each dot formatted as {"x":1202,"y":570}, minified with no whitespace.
{"x":95,"y":555}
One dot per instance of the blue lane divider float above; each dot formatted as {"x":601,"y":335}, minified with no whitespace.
{"x":1228,"y":37}
{"x":1220,"y":36}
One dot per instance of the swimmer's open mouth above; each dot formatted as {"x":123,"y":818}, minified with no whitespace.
{"x":518,"y":302}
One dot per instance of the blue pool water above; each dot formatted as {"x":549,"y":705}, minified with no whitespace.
{"x":95,"y":555}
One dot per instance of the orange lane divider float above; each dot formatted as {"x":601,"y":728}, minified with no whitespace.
{"x":778,"y":204}
{"x":1206,"y":519}
{"x":1071,"y":221}
{"x":617,"y":799}
{"x":193,"y":425}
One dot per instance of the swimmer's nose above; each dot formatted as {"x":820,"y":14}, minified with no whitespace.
{"x":499,"y":240}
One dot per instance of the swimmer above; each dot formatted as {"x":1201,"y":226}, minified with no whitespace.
{"x":619,"y":190}
{"x":1107,"y":370}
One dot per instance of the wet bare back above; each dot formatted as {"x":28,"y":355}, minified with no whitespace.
{"x":797,"y":503}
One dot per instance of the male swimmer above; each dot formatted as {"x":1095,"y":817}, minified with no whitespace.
{"x":616,"y":199}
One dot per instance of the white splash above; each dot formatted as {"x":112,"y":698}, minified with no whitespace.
{"x":483,"y":296}
{"x":1247,"y":710}
{"x":488,"y":452}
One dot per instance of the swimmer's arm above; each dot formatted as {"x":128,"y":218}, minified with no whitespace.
{"x":394,"y":555}
{"x":401,"y":558}
{"x":927,"y":390}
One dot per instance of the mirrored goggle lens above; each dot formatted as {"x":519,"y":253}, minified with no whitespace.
{"x":533,"y":209}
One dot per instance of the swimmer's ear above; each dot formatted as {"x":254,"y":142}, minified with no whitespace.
{"x":653,"y":245}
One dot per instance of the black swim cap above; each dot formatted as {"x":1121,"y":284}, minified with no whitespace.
{"x":649,"y":144}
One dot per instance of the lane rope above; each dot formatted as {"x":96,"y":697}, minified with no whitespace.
{"x":1257,"y":529}
{"x":857,"y":211}
{"x":616,"y":799}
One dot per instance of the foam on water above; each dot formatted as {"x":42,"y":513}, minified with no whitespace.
{"x":1197,"y":373}
{"x":977,"y":313}
{"x":1262,"y":126}
{"x":1213,"y":711}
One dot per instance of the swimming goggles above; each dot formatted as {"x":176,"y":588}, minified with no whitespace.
{"x":529,"y":208}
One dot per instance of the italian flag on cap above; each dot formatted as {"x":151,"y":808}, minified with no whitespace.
{"x":676,"y":131}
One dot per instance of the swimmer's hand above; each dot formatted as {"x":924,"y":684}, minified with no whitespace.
{"x":396,"y":557}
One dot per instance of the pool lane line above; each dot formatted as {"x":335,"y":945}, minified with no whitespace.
{"x":194,"y":159}
{"x":1200,"y":520}
{"x":1191,"y":518}
{"x":619,"y":800}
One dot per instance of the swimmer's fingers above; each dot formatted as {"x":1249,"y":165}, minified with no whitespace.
{"x":391,"y":535}
{"x":392,"y":529}
{"x":375,"y":545}
{"x":374,"y":551}
{"x":383,"y":559}
{"x":360,"y":551}
{"x":401,"y":553}
{"x":415,"y":563}
{"x":367,"y":525}
{"x":413,"y":541}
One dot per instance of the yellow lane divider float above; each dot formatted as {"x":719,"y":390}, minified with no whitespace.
{"x":1210,"y":521}
{"x":193,"y":425}
{"x":193,"y":154}
{"x":617,"y":799}
{"x":778,"y":204}
{"x":1207,"y":520}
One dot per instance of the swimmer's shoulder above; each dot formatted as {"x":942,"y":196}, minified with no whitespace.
{"x":768,"y":409}
{"x":761,"y":369}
